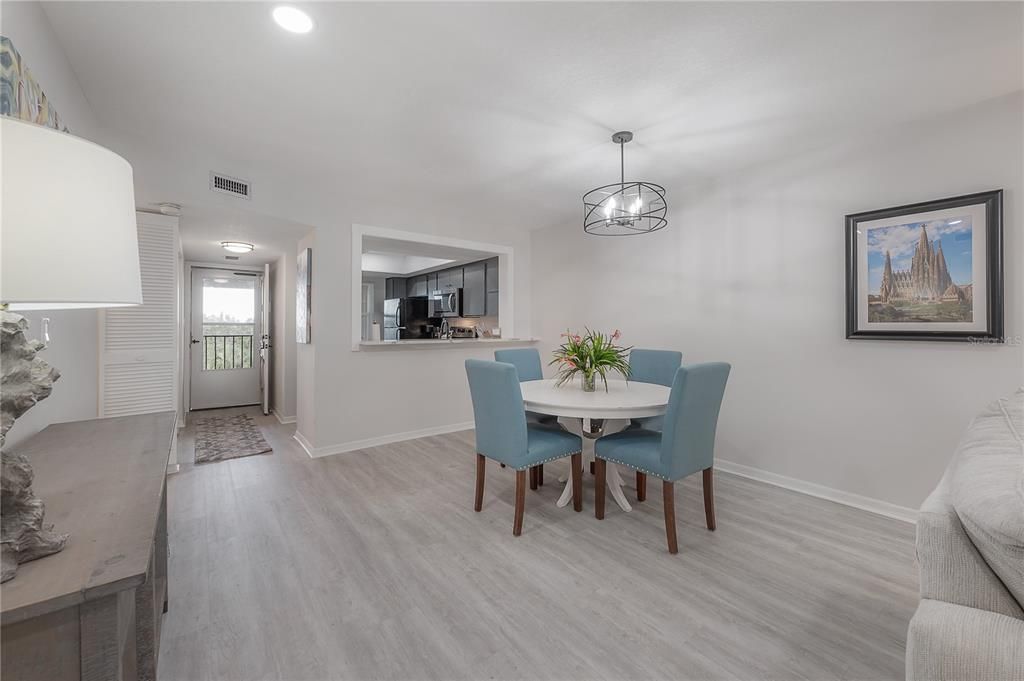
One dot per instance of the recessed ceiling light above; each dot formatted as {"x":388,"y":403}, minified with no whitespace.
{"x":236,"y":246}
{"x":293,"y":19}
{"x":955,"y":222}
{"x":220,"y":281}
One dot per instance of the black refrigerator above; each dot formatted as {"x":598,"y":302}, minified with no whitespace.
{"x":406,"y":318}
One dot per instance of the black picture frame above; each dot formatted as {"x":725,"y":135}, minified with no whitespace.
{"x":993,"y":203}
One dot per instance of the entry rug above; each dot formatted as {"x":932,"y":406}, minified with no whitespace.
{"x":228,"y":437}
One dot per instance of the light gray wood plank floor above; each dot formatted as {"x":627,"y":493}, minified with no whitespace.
{"x":373,"y":565}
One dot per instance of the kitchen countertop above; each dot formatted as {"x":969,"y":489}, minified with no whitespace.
{"x":418,"y":343}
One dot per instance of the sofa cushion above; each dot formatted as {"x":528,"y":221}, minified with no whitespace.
{"x":951,"y":568}
{"x":987,"y":488}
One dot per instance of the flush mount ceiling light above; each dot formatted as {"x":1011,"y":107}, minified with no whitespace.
{"x":236,"y":246}
{"x":624,"y":208}
{"x":292,"y":19}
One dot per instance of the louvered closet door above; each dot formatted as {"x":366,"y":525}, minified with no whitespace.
{"x":139,"y":345}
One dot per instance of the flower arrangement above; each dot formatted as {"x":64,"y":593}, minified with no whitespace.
{"x":591,"y":355}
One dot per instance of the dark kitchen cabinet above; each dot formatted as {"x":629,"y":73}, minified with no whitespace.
{"x":394,"y":287}
{"x":474,"y":290}
{"x":491,"y":287}
{"x":417,"y":286}
{"x":432,"y":283}
{"x":450,"y":278}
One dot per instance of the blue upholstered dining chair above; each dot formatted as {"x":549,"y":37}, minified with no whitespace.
{"x":502,"y":434}
{"x":685,"y":445}
{"x":527,"y":364}
{"x":653,"y":366}
{"x":525,"y":360}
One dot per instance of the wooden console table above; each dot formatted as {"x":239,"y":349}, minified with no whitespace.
{"x":93,"y":611}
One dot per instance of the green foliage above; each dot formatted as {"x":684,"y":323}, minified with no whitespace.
{"x":227,"y":352}
{"x":924,"y":311}
{"x":590,"y":355}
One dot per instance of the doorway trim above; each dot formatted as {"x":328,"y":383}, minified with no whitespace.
{"x":186,"y":319}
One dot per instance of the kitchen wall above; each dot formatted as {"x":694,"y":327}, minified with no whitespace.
{"x":751,"y":271}
{"x":283,"y":350}
{"x":379,"y":282}
{"x":73,"y":333}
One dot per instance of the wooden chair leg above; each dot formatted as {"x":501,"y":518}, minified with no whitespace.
{"x":669,"y":494}
{"x":599,"y":488}
{"x":533,"y":477}
{"x":641,"y":486}
{"x":576,"y":463}
{"x":540,"y":475}
{"x":593,"y":467}
{"x":709,"y":497}
{"x":481,"y":468}
{"x":517,"y":523}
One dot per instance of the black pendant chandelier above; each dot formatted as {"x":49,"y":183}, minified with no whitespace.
{"x":624,"y":208}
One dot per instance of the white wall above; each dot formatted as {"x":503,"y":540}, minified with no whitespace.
{"x":348,"y":398}
{"x":751,"y":271}
{"x":73,"y":334}
{"x":379,"y":282}
{"x":283,"y":362}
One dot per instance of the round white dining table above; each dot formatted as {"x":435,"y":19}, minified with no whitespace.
{"x":622,"y":400}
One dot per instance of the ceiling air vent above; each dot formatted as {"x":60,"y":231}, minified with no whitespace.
{"x":230,"y":185}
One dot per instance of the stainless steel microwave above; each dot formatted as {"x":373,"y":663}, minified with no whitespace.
{"x":446,"y":303}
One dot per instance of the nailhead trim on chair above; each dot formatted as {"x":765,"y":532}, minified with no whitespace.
{"x":554,"y":458}
{"x":629,"y":465}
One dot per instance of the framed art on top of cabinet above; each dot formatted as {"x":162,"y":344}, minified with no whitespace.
{"x":927,"y":271}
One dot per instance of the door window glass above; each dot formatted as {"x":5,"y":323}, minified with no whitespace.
{"x":229,"y":323}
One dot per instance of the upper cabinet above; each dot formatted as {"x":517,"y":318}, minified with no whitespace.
{"x":450,"y":278}
{"x":478,"y":281}
{"x":491,"y":276}
{"x":417,"y":286}
{"x":394,"y":287}
{"x":474,"y":290}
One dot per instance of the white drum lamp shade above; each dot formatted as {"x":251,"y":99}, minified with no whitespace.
{"x":67,"y":222}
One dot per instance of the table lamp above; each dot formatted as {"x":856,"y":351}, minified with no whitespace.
{"x":68,"y":240}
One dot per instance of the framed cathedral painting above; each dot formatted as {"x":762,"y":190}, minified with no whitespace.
{"x":927,"y":271}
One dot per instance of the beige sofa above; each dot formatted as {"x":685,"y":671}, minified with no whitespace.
{"x":969,"y":625}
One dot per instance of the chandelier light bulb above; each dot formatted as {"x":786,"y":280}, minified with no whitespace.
{"x":609,"y":206}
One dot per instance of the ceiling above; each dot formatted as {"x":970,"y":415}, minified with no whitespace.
{"x":499,"y":107}
{"x":203,"y":227}
{"x":400,"y":257}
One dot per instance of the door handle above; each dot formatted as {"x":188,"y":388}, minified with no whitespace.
{"x":194,"y":341}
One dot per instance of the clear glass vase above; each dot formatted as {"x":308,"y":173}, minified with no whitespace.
{"x":589,"y":383}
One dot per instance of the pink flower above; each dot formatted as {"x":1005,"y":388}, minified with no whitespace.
{"x":617,"y":335}
{"x":570,"y":363}
{"x":577,"y":338}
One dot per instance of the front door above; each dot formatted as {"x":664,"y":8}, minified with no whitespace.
{"x":226,"y":332}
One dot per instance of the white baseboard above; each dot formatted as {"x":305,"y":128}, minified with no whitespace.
{"x":304,"y":443}
{"x":883,"y":508}
{"x":283,"y":420}
{"x":341,"y":448}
